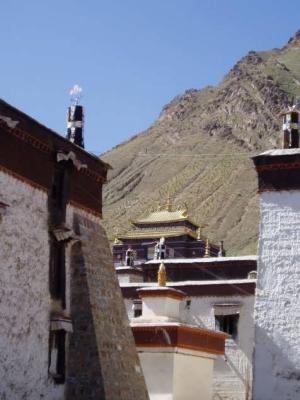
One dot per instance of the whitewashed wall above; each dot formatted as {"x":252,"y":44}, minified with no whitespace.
{"x":24,"y":294}
{"x":232,"y":373}
{"x":178,"y":374}
{"x":277,"y":308}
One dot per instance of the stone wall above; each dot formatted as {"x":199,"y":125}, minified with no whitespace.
{"x":109,"y":365}
{"x":277,"y":308}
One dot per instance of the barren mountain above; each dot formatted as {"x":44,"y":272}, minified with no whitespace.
{"x":200,"y":148}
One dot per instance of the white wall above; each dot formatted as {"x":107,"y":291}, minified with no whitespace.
{"x":277,"y":308}
{"x":232,"y":373}
{"x":24,"y":294}
{"x":177,"y":374}
{"x":193,"y":376}
{"x":158,"y":372}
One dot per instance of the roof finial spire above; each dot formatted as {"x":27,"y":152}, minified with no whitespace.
{"x":162,"y":275}
{"x":199,"y":233}
{"x":75,"y":118}
{"x":76,"y":94}
{"x":207,"y":249}
{"x":169,"y":203}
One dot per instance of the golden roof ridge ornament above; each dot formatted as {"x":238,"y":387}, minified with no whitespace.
{"x":162,"y":275}
{"x":207,"y":249}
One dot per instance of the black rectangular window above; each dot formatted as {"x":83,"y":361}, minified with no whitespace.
{"x":137,"y":308}
{"x":227,"y":324}
{"x":57,"y":271}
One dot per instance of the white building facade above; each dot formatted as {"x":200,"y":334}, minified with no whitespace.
{"x":64,"y":332}
{"x":226,"y":305}
{"x":277,"y":306}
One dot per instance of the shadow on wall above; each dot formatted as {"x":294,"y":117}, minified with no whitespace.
{"x":84,"y":376}
{"x":275,"y":375}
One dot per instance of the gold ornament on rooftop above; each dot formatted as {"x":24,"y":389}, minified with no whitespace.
{"x":162,"y":275}
{"x":207,"y":249}
{"x":199,"y":233}
{"x":169,"y":203}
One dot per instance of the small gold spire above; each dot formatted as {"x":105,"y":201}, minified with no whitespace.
{"x":199,"y":233}
{"x":162,"y":275}
{"x":207,"y":249}
{"x":169,"y":203}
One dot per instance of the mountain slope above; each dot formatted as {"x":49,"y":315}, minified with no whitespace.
{"x":199,"y":150}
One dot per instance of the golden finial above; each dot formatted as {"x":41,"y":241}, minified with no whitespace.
{"x":207,"y":249}
{"x":199,"y":233}
{"x":162,"y":275}
{"x":169,"y":203}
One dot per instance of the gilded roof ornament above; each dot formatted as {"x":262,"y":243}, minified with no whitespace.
{"x":207,"y":249}
{"x":199,"y":233}
{"x":169,"y":203}
{"x":162,"y":275}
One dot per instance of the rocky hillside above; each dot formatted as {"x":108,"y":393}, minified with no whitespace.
{"x":199,"y":150}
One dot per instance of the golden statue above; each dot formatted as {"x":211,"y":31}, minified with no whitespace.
{"x":162,"y":275}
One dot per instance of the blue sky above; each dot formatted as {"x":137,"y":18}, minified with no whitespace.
{"x":130,"y":56}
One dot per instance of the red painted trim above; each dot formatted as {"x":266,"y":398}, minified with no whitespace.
{"x":192,"y":338}
{"x":177,"y":295}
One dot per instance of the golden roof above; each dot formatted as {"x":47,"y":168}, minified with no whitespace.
{"x":167,"y":214}
{"x":163,"y":216}
{"x":154,"y":234}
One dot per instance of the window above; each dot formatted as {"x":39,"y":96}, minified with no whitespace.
{"x":137,"y":308}
{"x":188,"y":304}
{"x":57,"y":271}
{"x":150,"y":252}
{"x":227,"y":324}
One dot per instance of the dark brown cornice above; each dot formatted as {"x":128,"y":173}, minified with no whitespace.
{"x":28,"y":151}
{"x":161,"y":292}
{"x":277,"y":172}
{"x":180,"y":336}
